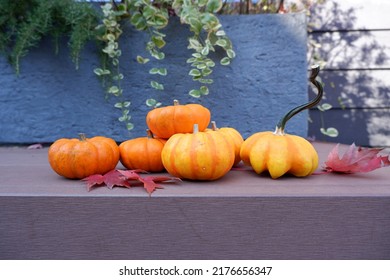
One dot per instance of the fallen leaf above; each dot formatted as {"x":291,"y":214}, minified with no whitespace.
{"x":150,"y":182}
{"x":35,"y":146}
{"x":355,"y":159}
{"x":94,"y":180}
{"x":115,"y":178}
{"x":122,"y":178}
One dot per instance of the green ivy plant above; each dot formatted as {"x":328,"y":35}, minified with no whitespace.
{"x":151,"y":17}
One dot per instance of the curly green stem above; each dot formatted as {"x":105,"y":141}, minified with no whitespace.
{"x":282,"y":123}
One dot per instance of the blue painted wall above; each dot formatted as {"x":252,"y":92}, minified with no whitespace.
{"x":51,"y":100}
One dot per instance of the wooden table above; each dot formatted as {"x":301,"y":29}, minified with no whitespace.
{"x":241,"y":216}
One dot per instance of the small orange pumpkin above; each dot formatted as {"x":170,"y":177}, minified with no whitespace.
{"x":80,"y":158}
{"x":142,"y":153}
{"x":234,"y":136}
{"x":280,"y":153}
{"x":169,"y":120}
{"x":198,"y":155}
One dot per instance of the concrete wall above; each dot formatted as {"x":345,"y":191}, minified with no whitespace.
{"x":51,"y":100}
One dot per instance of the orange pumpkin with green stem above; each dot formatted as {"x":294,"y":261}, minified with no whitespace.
{"x":80,"y":158}
{"x":280,"y":153}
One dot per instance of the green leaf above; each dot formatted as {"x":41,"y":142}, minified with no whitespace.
{"x":204,"y":90}
{"x":206,"y":72}
{"x":123,"y":118}
{"x":221,"y":42}
{"x":159,"y":71}
{"x":195,"y":93}
{"x":142,"y":60}
{"x":225,"y":61}
{"x":114,"y":90}
{"x":324,"y":107}
{"x":118,"y":105}
{"x":330,"y":131}
{"x":151,"y":102}
{"x":194,"y":44}
{"x":101,"y":72}
{"x":213,"y":6}
{"x":220,"y":33}
{"x":194,"y":72}
{"x":157,"y":85}
{"x":129,"y":126}
{"x":158,"y":41}
{"x":230,"y":53}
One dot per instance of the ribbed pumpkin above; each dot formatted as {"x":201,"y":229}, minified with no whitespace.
{"x":169,"y":120}
{"x":198,"y":155}
{"x":79,"y":158}
{"x":142,"y":153}
{"x":234,"y":136}
{"x":280,"y":153}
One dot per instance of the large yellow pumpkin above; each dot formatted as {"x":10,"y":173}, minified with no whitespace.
{"x":280,"y":153}
{"x":198,"y":155}
{"x":80,"y":158}
{"x":142,"y":153}
{"x":169,"y":120}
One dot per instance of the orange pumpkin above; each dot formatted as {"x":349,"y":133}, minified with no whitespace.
{"x":198,"y":155}
{"x":80,"y":158}
{"x":169,"y":120}
{"x":280,"y":153}
{"x":142,"y":153}
{"x":234,"y":137}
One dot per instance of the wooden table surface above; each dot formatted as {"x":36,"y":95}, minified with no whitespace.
{"x":241,"y":216}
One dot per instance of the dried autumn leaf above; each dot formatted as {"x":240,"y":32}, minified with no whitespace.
{"x":150,"y":182}
{"x":355,"y":159}
{"x":122,"y":178}
{"x":110,"y":179}
{"x":115,"y":178}
{"x":94,"y":180}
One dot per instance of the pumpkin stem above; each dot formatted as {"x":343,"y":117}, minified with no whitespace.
{"x":214,"y":125}
{"x":82,"y":136}
{"x":196,"y":128}
{"x":282,"y":123}
{"x":149,"y":134}
{"x":176,"y":102}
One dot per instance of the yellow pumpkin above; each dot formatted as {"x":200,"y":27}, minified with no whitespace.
{"x":280,"y":153}
{"x":233,"y":136}
{"x":198,"y":155}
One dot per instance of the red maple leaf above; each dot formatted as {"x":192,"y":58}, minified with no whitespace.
{"x":94,"y":181}
{"x":110,"y":179}
{"x":150,"y":182}
{"x":355,"y":159}
{"x":115,"y":178}
{"x":122,"y":178}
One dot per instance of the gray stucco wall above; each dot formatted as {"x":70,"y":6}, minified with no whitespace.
{"x":51,"y":100}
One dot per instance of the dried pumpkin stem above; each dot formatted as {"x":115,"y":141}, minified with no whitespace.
{"x":149,"y":134}
{"x":82,"y":136}
{"x":176,"y":102}
{"x":282,"y":123}
{"x":214,"y":126}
